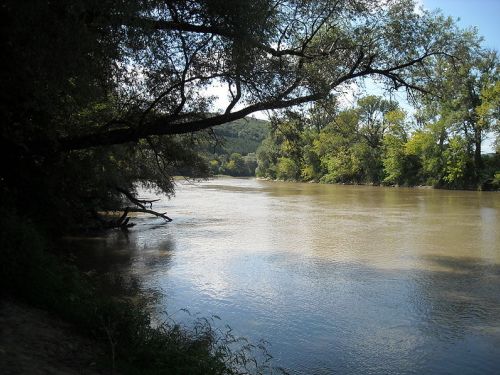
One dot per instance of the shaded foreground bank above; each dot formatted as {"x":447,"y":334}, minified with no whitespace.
{"x":34,"y":342}
{"x":108,"y":318}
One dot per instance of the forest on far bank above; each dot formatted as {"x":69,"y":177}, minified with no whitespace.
{"x":377,"y":142}
{"x":374,"y":141}
{"x":438,"y":141}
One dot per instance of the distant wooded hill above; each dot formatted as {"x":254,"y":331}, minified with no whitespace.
{"x":241,"y":136}
{"x":234,"y":154}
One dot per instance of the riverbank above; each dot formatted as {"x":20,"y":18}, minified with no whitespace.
{"x":375,"y":185}
{"x":488,"y":187}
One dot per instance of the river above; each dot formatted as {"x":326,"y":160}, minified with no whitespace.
{"x":338,"y":279}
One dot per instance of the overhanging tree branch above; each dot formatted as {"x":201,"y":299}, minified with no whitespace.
{"x":169,"y":125}
{"x":151,"y":212}
{"x":179,"y":49}
{"x":123,"y":221}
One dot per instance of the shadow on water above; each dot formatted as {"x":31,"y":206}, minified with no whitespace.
{"x":351,"y":318}
{"x":119,"y":251}
{"x":463,"y":296}
{"x":103,"y":253}
{"x":458,"y":309}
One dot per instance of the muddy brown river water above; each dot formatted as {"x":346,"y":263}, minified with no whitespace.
{"x":338,"y":279}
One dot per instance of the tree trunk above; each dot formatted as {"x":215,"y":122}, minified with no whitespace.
{"x":478,"y":159}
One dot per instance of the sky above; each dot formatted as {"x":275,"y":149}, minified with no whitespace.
{"x":483,"y":14}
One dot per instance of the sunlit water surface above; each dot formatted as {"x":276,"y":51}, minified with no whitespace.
{"x":338,"y":279}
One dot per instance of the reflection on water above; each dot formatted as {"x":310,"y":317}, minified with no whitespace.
{"x":339,"y":279}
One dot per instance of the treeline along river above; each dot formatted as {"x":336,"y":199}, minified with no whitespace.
{"x":338,"y":279}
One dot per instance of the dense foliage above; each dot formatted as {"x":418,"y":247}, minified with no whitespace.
{"x":376,"y":142}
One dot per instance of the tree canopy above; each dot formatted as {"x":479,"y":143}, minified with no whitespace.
{"x":377,"y":142}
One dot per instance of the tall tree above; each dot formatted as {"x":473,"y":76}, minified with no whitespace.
{"x":466,"y":106}
{"x":373,"y":121}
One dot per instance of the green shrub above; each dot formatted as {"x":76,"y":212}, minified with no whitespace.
{"x":287,"y":169}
